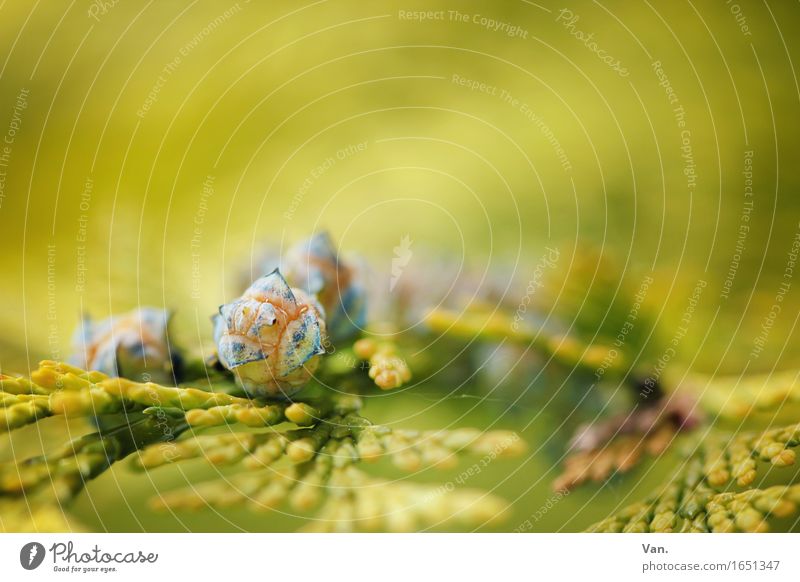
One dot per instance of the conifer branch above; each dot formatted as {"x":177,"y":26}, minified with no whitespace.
{"x":496,"y":325}
{"x":703,"y":496}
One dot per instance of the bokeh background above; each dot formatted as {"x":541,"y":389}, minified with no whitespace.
{"x":152,"y":150}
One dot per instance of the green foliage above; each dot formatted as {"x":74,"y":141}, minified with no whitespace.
{"x":60,"y":389}
{"x":304,"y":454}
{"x":618,"y":444}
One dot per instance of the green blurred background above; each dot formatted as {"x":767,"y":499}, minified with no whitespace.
{"x":365,"y":120}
